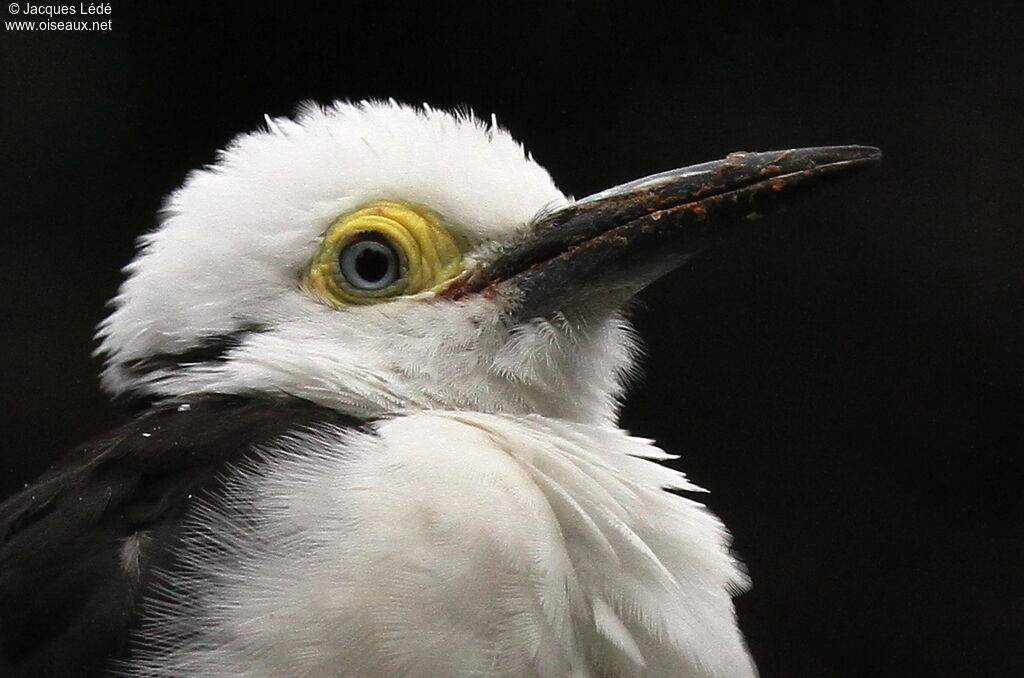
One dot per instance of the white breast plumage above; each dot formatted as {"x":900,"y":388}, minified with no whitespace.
{"x":453,"y":544}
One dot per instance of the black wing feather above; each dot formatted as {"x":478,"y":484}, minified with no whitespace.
{"x":67,"y":598}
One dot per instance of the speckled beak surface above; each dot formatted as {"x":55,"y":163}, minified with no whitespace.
{"x":616,"y":242}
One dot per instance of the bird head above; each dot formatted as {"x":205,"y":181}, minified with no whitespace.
{"x":378,"y":258}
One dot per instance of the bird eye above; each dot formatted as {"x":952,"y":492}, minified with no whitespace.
{"x":382,"y":251}
{"x":369,"y":265}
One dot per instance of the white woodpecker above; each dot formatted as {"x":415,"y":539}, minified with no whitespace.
{"x":380,"y":359}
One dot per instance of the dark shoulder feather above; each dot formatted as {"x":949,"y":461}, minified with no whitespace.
{"x":77,"y":546}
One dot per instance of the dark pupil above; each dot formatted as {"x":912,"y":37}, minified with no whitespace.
{"x":372,"y":265}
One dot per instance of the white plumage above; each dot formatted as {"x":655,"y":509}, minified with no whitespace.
{"x":455,"y":544}
{"x":494,"y":521}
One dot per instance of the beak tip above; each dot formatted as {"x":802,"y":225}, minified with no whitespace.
{"x":858,"y":155}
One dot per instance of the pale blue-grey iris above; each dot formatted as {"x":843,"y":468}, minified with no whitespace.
{"x":369,"y":265}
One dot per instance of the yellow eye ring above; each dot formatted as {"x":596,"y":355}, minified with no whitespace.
{"x":382,"y":251}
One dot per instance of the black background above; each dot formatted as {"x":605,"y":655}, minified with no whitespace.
{"x":847,"y":381}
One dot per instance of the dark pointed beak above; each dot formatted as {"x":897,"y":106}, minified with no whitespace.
{"x":615,"y":243}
